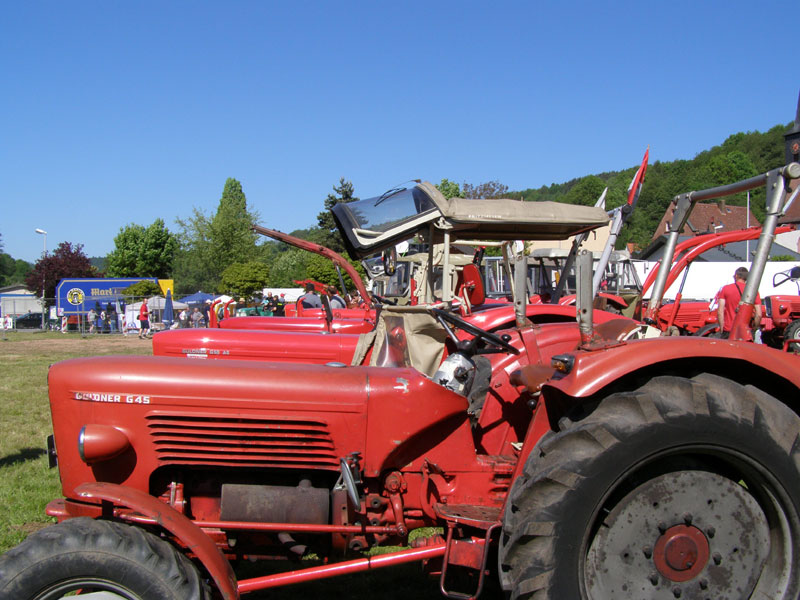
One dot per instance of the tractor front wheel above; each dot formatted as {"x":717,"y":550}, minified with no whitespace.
{"x":684,"y":488}
{"x":98,"y":559}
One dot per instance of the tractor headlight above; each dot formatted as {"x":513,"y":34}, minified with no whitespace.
{"x":97,"y":443}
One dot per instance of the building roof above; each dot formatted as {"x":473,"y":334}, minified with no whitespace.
{"x":709,"y":217}
{"x":16,"y":289}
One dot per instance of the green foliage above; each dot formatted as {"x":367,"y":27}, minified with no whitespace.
{"x":142,"y":289}
{"x":586,"y":191}
{"x":782,"y":258}
{"x":489,"y":189}
{"x":143,"y":252}
{"x":244,"y":279}
{"x":740,"y":156}
{"x":288,"y":267}
{"x":209,"y":245}
{"x":13,"y":270}
{"x":321,"y":269}
{"x":449,"y":189}
{"x":330,"y":234}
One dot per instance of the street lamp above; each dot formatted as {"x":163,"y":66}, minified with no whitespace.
{"x":44,"y":255}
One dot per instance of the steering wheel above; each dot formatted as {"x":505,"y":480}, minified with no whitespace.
{"x":477,"y":332}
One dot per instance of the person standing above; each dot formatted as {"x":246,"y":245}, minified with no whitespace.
{"x":183,"y":318}
{"x":197,"y":318}
{"x":144,"y":320}
{"x":91,"y":317}
{"x":206,"y":311}
{"x":336,"y":300}
{"x":310,"y":298}
{"x":728,"y":303}
{"x":280,"y":305}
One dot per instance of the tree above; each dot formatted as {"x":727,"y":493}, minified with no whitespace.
{"x":245,"y":279}
{"x":489,"y":189}
{"x":231,"y":229}
{"x":140,"y":252}
{"x":449,"y":189}
{"x":344,"y":194}
{"x":586,"y":191}
{"x":288,"y":267}
{"x":323,"y":270}
{"x":67,"y":261}
{"x":142,"y":289}
{"x":209,"y":245}
{"x":13,"y":270}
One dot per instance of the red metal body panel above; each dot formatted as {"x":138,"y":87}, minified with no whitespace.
{"x":594,"y":370}
{"x":245,"y":344}
{"x":223,"y":413}
{"x":690,"y":316}
{"x":178,"y":525}
{"x":784,"y":309}
{"x":312,"y":324}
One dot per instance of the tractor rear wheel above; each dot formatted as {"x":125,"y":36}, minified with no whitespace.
{"x":684,"y":488}
{"x":99,"y":559}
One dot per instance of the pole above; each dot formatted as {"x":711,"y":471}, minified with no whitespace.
{"x":44,"y":255}
{"x":747,"y":255}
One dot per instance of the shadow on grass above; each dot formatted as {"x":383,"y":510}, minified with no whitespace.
{"x":23,"y":455}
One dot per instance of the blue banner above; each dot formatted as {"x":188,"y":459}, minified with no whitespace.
{"x":77,"y":296}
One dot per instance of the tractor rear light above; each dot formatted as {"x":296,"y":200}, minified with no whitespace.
{"x":97,"y":443}
{"x":563,"y":363}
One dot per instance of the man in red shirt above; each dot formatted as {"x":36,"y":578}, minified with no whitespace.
{"x":729,"y":297}
{"x":144,"y":320}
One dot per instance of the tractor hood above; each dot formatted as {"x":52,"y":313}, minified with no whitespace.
{"x":120,"y":418}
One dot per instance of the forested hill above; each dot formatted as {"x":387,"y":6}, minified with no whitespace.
{"x":740,"y":156}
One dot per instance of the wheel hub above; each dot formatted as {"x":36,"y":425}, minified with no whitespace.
{"x":681,"y":553}
{"x":687,"y":534}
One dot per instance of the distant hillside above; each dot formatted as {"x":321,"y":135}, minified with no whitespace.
{"x":740,"y":156}
{"x":99,"y":263}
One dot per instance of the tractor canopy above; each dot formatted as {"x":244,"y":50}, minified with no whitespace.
{"x":374,"y":224}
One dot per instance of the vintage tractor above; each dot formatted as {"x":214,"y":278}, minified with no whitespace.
{"x":620,"y":469}
{"x":299,"y":339}
{"x":653,"y":468}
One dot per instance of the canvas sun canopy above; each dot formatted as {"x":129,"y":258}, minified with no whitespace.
{"x":373,"y":224}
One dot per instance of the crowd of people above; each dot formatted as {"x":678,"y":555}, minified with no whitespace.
{"x":107,"y":320}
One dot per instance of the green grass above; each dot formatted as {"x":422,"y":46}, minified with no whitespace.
{"x":27,"y":484}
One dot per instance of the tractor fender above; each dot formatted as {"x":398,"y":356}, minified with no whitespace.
{"x":594,"y":370}
{"x":177,"y":524}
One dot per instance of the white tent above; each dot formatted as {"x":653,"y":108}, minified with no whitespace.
{"x":156,"y":306}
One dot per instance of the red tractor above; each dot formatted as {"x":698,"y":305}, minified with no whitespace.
{"x":616,"y":468}
{"x":289,"y":339}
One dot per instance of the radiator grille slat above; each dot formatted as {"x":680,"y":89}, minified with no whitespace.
{"x":242,"y":441}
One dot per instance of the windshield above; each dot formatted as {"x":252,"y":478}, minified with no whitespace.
{"x":388,"y":210}
{"x":369,"y":226}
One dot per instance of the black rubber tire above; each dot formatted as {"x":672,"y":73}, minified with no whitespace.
{"x":89,"y":555}
{"x":792,"y":332}
{"x":578,"y":478}
{"x":707,"y":330}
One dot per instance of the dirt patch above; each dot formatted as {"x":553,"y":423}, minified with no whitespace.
{"x":29,"y":528}
{"x":26,"y":343}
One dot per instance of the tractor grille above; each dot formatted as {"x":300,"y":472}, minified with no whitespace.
{"x":242,"y":441}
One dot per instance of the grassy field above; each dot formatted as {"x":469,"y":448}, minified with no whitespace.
{"x":27,"y":484}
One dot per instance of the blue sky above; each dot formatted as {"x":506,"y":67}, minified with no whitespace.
{"x":114,"y":113}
